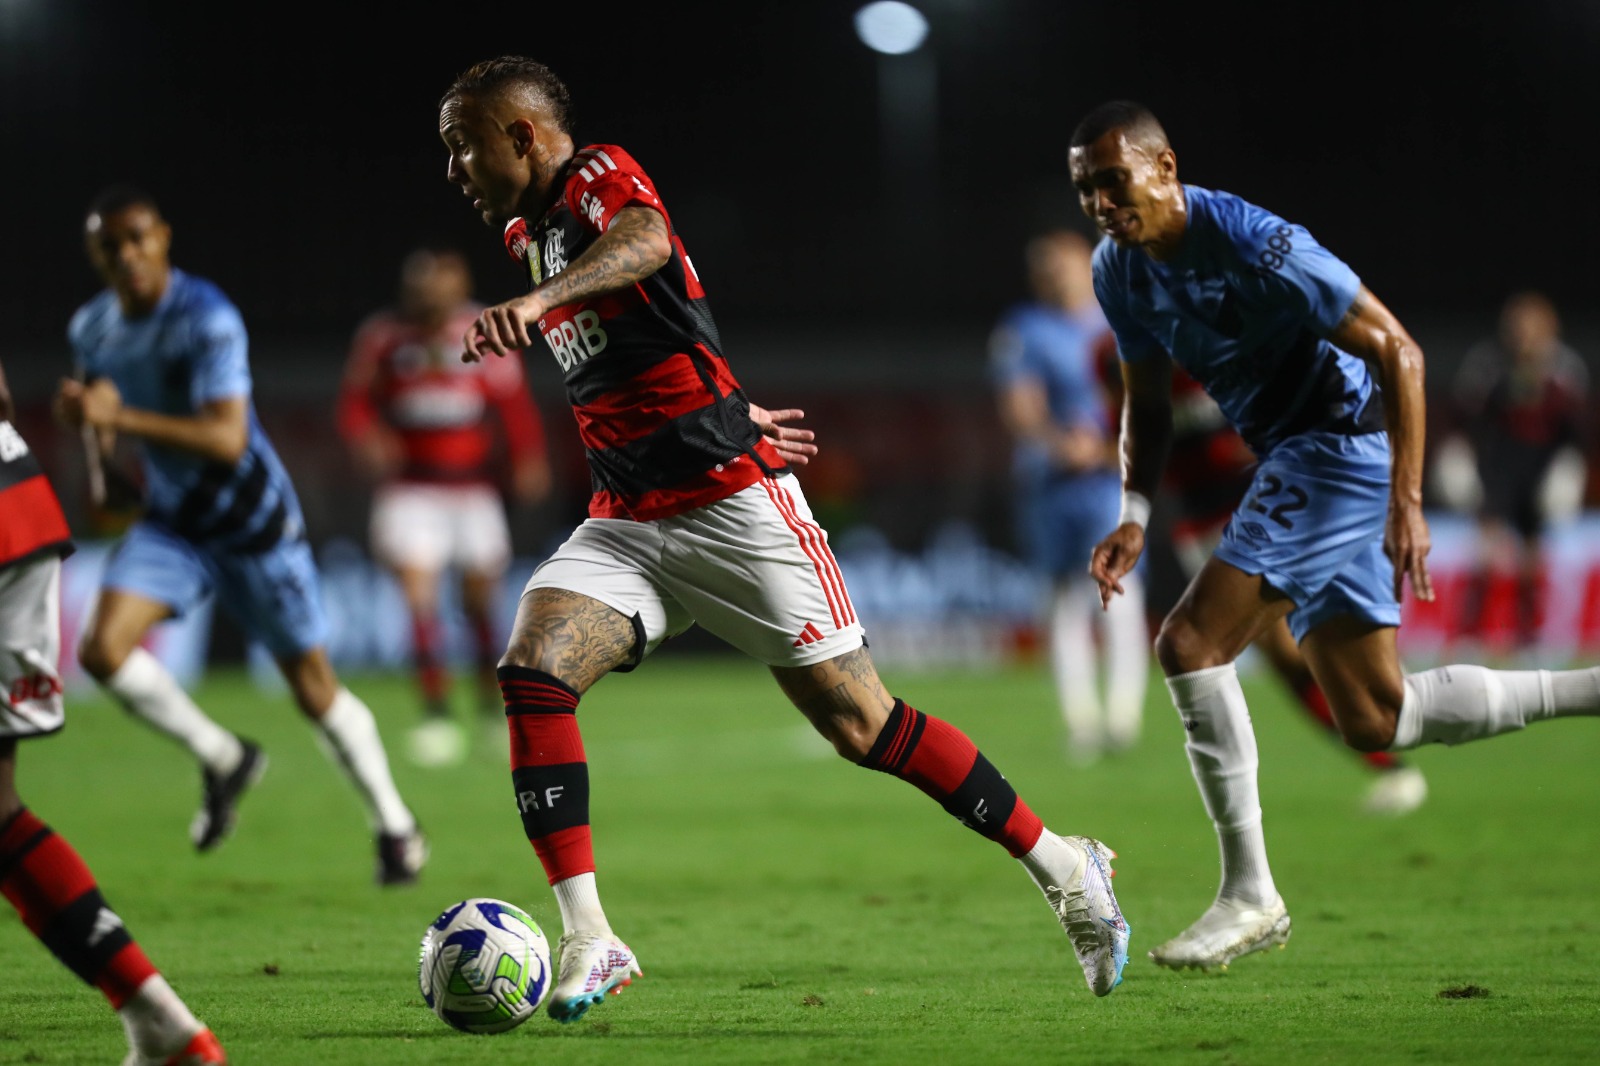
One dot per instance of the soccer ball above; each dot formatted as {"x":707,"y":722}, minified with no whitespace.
{"x":485,"y":966}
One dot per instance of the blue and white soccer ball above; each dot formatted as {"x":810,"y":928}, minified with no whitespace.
{"x":485,"y":966}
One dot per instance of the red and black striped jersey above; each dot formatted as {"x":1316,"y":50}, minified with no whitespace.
{"x":31,"y":522}
{"x":664,"y":424}
{"x":1209,"y":466}
{"x":410,"y":379}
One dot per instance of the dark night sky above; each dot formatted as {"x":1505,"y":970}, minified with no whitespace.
{"x":1446,"y":157}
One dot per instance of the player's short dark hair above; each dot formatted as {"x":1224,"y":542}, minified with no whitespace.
{"x":489,"y":76}
{"x":1126,"y":115}
{"x":114,"y":198}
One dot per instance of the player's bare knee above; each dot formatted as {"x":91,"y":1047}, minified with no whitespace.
{"x":312,"y":682}
{"x":100,"y":656}
{"x":851,"y":736}
{"x":1181,"y":649}
{"x":1371,"y":727}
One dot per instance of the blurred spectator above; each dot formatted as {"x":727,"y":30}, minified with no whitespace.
{"x":1069,"y":492}
{"x":1515,"y":458}
{"x":422,"y":423}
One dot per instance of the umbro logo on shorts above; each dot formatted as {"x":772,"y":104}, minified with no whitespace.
{"x":809,"y":635}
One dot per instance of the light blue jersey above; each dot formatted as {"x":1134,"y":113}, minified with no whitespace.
{"x":192,"y":349}
{"x":1061,"y":515}
{"x":230,"y":529}
{"x":1245,"y":308}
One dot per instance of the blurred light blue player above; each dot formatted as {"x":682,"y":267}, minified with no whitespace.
{"x":162,"y":356}
{"x":1326,"y":387}
{"x":1045,"y":356}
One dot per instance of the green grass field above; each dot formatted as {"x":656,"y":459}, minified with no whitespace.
{"x":787,"y":907}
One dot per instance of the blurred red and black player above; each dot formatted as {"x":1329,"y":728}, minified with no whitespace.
{"x":1515,"y":459}
{"x":432,"y":431}
{"x":1209,"y":467}
{"x":42,"y":876}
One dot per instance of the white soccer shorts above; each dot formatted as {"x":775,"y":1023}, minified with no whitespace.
{"x":432,"y":527}
{"x":754,"y":569}
{"x":30,"y":648}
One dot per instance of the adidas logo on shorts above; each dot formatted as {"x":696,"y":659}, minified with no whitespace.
{"x":809,"y":635}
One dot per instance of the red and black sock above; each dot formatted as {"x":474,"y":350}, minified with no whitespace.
{"x":432,"y":678}
{"x":486,"y":649}
{"x":940,"y":759}
{"x":58,"y":900}
{"x":1316,"y":704}
{"x":548,"y":769}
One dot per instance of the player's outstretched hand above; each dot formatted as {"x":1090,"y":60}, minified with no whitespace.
{"x":503,"y":328}
{"x":1407,"y":541}
{"x":793,"y":443}
{"x":1114,"y":557}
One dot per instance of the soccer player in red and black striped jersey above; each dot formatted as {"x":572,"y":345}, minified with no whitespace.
{"x":429,"y":429}
{"x":696,"y":517}
{"x":42,"y":876}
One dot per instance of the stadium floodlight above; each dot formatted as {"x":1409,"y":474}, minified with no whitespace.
{"x":891,"y":27}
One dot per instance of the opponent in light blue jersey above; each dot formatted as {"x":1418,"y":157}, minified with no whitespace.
{"x":1326,"y":385}
{"x":1045,"y":358}
{"x":163,"y":358}
{"x":1245,"y":305}
{"x":187,"y":353}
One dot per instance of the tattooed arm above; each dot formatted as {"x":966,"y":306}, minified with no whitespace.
{"x":1372,"y":332}
{"x":635,"y":246}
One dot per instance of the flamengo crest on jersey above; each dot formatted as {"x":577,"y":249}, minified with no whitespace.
{"x":664,"y":423}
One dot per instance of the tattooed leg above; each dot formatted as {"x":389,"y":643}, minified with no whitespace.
{"x":572,"y":637}
{"x":848,"y":704}
{"x":561,"y":644}
{"x":843,"y":697}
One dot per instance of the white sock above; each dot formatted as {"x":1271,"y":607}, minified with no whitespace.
{"x":351,"y":735}
{"x":579,"y":901}
{"x":1073,"y":663}
{"x":1455,"y":704}
{"x":1222,"y":753}
{"x":1051,"y":861}
{"x":157,"y":1022}
{"x":1126,"y":636}
{"x":149,"y":691}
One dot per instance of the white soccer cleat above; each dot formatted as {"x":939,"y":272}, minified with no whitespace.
{"x":1398,"y":791}
{"x":1080,"y":894}
{"x":1228,"y":929}
{"x":592,"y":964}
{"x":437,"y":742}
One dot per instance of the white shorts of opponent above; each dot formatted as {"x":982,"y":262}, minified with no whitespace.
{"x":30,"y":648}
{"x":433,"y":527}
{"x":754,"y":569}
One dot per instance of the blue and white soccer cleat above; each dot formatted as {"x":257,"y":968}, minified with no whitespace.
{"x":592,"y":964}
{"x":1083,"y":901}
{"x":1228,"y":929}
